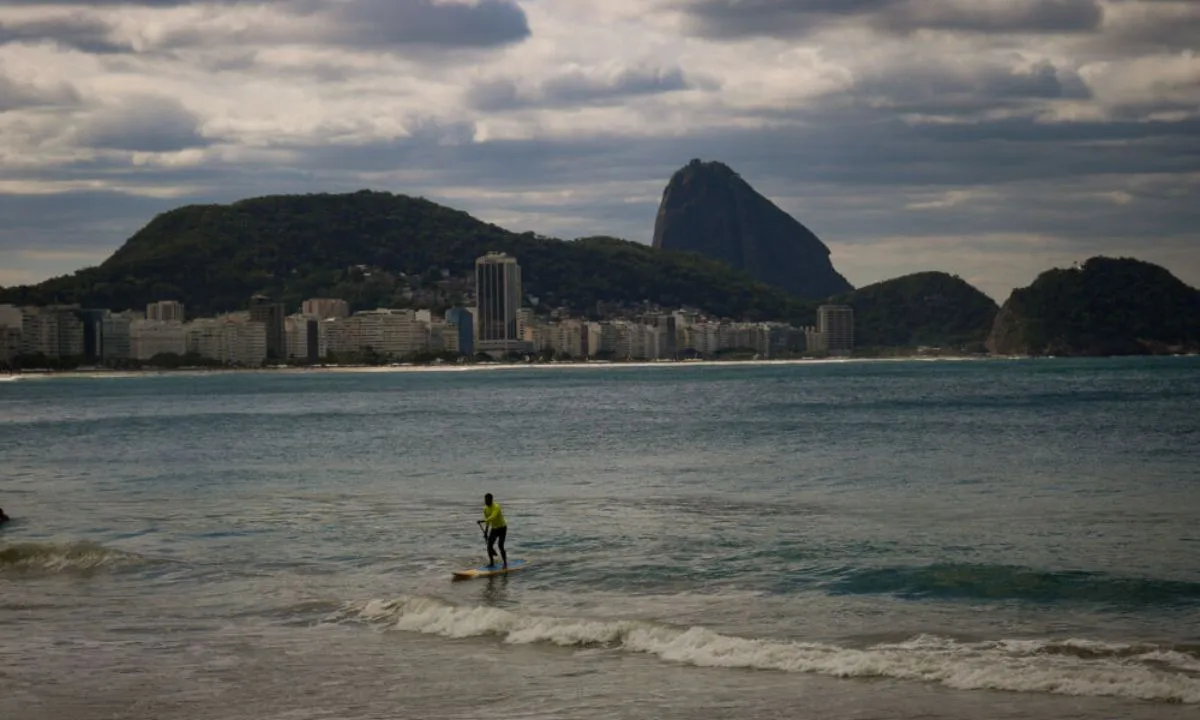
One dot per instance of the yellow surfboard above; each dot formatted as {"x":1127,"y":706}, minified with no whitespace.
{"x":489,"y":570}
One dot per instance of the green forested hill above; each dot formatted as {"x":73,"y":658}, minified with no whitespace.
{"x":928,"y":308}
{"x":214,"y":257}
{"x":1109,"y":306}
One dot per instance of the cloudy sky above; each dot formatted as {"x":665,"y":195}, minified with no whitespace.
{"x":988,"y":138}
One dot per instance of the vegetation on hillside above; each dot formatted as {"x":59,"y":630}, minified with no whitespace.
{"x":372,"y":248}
{"x":928,"y":308}
{"x":1109,"y":306}
{"x":382,"y":250}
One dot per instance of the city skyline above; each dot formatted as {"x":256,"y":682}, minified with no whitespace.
{"x":324,"y":330}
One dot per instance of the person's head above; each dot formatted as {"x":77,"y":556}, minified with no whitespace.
{"x":487,"y":499}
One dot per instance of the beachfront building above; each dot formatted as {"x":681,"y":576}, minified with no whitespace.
{"x":339,"y":336}
{"x":148,"y":338}
{"x":53,"y":331}
{"x":601,"y":339}
{"x":836,"y":323}
{"x":271,"y":314}
{"x":816,"y":341}
{"x":463,"y":321}
{"x":302,"y":338}
{"x":116,"y":336}
{"x":570,"y":338}
{"x":391,"y":333}
{"x":444,"y":337}
{"x":231,"y":339}
{"x":11,"y":321}
{"x":497,"y":300}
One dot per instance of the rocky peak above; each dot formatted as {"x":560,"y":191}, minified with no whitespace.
{"x":709,"y":209}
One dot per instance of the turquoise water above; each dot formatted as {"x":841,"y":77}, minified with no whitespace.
{"x":885,"y":539}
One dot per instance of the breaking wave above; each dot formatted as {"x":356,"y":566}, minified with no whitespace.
{"x":68,"y":557}
{"x":1068,"y":667}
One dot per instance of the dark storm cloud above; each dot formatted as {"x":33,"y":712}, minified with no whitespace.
{"x":78,"y":32}
{"x":576,"y":88}
{"x":791,"y":18}
{"x":487,"y":23}
{"x":851,"y":151}
{"x":941,"y":89}
{"x":350,"y":23}
{"x":113,"y":3}
{"x":148,"y":124}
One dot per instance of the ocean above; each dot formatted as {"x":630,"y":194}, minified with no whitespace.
{"x":891,"y":539}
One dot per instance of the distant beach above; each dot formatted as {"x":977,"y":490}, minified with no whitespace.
{"x":484,"y":367}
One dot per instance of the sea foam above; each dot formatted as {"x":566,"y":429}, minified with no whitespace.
{"x":1068,"y":667}
{"x":64,"y":557}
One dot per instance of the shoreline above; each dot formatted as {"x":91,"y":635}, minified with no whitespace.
{"x":499,"y":366}
{"x":503,"y":366}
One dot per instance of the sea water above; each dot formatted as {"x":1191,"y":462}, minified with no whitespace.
{"x":977,"y":539}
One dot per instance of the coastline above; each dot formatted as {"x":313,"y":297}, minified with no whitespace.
{"x":508,"y":366}
{"x":483,"y":367}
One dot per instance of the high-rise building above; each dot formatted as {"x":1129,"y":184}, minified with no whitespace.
{"x":53,"y":331}
{"x":325,"y":308}
{"x":10,"y":316}
{"x":497,"y":300}
{"x":117,"y":336}
{"x":165,"y":310}
{"x":340,"y":336}
{"x":569,"y":337}
{"x":231,"y":339}
{"x":270,"y":314}
{"x":11,"y":322}
{"x":392,"y":333}
{"x":443,"y":337}
{"x":303,"y":338}
{"x":464,"y":322}
{"x":10,"y":343}
{"x":668,"y":324}
{"x":836,"y":322}
{"x":92,"y":322}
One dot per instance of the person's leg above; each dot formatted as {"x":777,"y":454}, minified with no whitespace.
{"x":491,"y":538}
{"x":503,"y":532}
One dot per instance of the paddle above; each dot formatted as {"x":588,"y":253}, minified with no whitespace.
{"x":483,"y":529}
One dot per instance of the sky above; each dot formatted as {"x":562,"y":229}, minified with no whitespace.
{"x":992,"y":139}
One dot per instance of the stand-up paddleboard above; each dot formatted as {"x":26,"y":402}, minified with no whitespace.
{"x":489,"y":570}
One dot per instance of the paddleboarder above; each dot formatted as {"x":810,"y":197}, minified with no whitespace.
{"x":493,"y":519}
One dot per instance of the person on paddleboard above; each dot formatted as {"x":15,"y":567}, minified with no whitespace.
{"x":493,"y":518}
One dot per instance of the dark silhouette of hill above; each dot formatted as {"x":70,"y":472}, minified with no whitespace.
{"x":928,"y":308}
{"x":214,"y":258}
{"x":1109,"y":306}
{"x":709,"y":209}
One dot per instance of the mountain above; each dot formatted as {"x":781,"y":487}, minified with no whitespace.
{"x":709,"y":209}
{"x":929,"y":308}
{"x":1109,"y":306}
{"x":214,"y":258}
